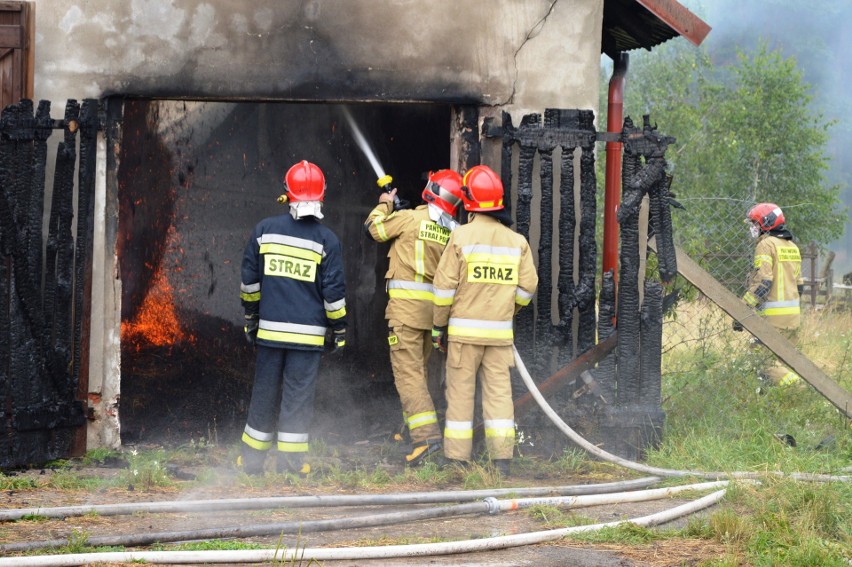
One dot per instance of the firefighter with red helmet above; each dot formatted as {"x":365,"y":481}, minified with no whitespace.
{"x":417,"y":238}
{"x":775,"y":283}
{"x":485,"y":276}
{"x":293,"y":292}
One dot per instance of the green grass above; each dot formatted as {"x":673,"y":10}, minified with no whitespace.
{"x":716,"y":421}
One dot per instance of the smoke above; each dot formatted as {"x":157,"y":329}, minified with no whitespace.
{"x":812,"y":33}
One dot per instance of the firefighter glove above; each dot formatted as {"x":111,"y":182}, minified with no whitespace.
{"x":250,"y":328}
{"x":337,"y":341}
{"x":737,"y":326}
{"x":439,"y":338}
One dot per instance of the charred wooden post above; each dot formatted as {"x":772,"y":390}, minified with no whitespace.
{"x":36,"y":383}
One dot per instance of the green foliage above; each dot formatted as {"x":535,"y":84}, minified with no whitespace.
{"x":99,"y":456}
{"x":16,"y":483}
{"x":146,"y":470}
{"x":747,"y":131}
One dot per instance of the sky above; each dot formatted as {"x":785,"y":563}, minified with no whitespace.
{"x":813,"y":33}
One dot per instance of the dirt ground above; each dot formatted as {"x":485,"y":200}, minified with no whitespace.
{"x":207,"y":473}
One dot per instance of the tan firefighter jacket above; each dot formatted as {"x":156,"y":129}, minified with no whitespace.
{"x":486,"y":272}
{"x":778,"y":267}
{"x":416,"y":246}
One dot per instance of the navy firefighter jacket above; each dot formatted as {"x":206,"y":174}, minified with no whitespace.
{"x":292,"y":275}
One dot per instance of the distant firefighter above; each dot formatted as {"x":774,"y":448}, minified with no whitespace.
{"x":417,"y":238}
{"x":292,"y":291}
{"x":775,"y":283}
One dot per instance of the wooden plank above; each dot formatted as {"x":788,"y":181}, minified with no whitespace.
{"x":760,"y":328}
{"x":10,"y":36}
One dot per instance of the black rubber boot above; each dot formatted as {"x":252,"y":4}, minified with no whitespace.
{"x":502,"y":466}
{"x":251,"y":460}
{"x":292,"y":463}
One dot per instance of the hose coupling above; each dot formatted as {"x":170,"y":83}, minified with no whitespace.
{"x":493,"y":505}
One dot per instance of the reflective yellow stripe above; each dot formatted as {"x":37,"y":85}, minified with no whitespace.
{"x":504,"y":433}
{"x":255,"y":444}
{"x":458,"y":433}
{"x":442,"y":301}
{"x":789,"y":378}
{"x":421,"y":419}
{"x":380,"y":228}
{"x":336,"y":314}
{"x":250,"y":297}
{"x":411,"y":294}
{"x":419,"y":263}
{"x":781,"y":311}
{"x":286,"y":447}
{"x":761,"y":259}
{"x":751,"y":299}
{"x":285,"y":250}
{"x":295,"y":338}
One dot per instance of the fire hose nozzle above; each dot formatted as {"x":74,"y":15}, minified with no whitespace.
{"x":385,"y":182}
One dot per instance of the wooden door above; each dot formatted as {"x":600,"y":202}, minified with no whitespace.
{"x":17,"y":33}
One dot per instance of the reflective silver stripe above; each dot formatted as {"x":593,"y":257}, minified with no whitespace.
{"x":259,"y":435}
{"x":479,"y":324}
{"x":292,"y":437}
{"x":335,"y":305}
{"x":771,"y":304}
{"x":486,"y":249}
{"x":250,"y":288}
{"x":445,"y":293}
{"x":499,"y":423}
{"x":272,"y":238}
{"x":291,"y":327}
{"x":417,"y":286}
{"x":459,"y":425}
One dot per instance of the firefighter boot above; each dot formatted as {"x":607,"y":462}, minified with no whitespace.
{"x":292,"y":463}
{"x":422,"y":450}
{"x":251,"y":460}
{"x":502,"y":466}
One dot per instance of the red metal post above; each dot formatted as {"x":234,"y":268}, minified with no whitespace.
{"x":612,"y":195}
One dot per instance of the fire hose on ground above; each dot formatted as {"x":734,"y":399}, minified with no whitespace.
{"x":319,"y":501}
{"x":357,"y":553}
{"x":489,"y":505}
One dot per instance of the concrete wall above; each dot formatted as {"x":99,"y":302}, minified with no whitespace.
{"x":520,"y":56}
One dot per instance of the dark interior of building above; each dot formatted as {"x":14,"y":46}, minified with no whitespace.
{"x":190,"y":191}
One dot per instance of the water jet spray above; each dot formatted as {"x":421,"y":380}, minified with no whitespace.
{"x":384,"y":180}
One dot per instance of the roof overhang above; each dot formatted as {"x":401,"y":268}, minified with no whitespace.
{"x":634,"y":24}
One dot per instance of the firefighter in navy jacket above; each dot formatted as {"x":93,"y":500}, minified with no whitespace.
{"x":293,"y":293}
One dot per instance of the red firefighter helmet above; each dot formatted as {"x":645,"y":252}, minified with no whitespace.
{"x":483,"y":190}
{"x":305,"y":182}
{"x":766,"y":215}
{"x":443,"y":189}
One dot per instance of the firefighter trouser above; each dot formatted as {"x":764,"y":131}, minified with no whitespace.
{"x":779,"y":374}
{"x":409,"y":353}
{"x":283,"y":396}
{"x":498,"y":412}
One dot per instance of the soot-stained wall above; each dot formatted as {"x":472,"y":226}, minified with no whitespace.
{"x":524,"y":55}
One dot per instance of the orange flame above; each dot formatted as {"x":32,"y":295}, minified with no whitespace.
{"x":156,"y":323}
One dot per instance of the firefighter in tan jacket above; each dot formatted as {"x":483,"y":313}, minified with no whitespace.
{"x":775,"y":284}
{"x":485,"y":276}
{"x":417,"y":238}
